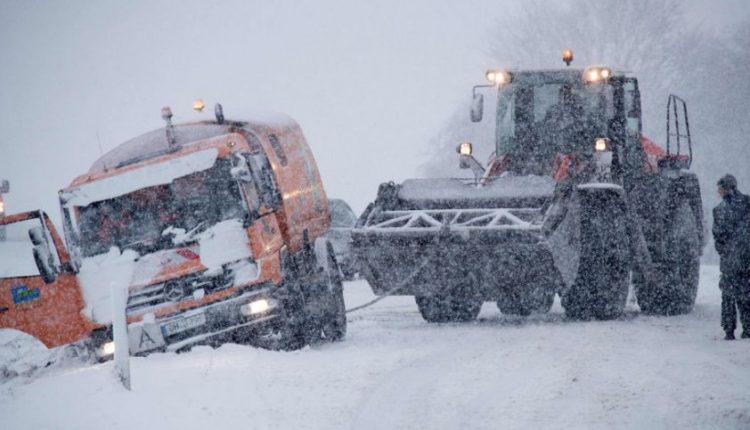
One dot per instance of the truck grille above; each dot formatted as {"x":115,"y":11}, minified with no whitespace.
{"x":176,"y":290}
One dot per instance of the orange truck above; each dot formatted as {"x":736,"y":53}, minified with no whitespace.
{"x":216,"y":228}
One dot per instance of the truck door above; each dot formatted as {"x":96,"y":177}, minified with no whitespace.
{"x":48,"y":309}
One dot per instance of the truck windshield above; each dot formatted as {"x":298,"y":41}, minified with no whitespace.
{"x":138,"y":220}
{"x":535,"y":121}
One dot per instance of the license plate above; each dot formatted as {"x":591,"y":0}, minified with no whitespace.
{"x":183,"y":324}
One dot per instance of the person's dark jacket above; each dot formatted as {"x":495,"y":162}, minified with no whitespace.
{"x":732,"y":233}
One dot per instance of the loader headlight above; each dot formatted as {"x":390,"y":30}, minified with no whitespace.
{"x":602,"y":144}
{"x":596,"y":74}
{"x":498,"y":77}
{"x":465,"y":148}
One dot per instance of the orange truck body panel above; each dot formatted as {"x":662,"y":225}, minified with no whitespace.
{"x":49,"y":312}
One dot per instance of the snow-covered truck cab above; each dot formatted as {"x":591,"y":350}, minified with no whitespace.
{"x":46,"y":304}
{"x":216,"y":228}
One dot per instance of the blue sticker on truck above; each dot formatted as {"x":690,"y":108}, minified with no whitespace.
{"x":23,"y":293}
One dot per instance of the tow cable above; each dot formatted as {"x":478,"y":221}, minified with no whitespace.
{"x":444,"y":232}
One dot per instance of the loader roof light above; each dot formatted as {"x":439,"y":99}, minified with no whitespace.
{"x":465,"y":148}
{"x":596,"y":74}
{"x":198,"y":105}
{"x":567,"y":56}
{"x":601,"y":144}
{"x":498,"y":77}
{"x":2,"y":207}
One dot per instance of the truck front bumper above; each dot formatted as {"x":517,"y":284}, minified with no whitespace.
{"x":256,"y":310}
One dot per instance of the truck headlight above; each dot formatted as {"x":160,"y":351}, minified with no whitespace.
{"x":107,"y":349}
{"x":257,"y":307}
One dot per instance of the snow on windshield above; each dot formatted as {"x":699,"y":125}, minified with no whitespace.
{"x":136,"y":179}
{"x":225,"y":242}
{"x":143,"y":219}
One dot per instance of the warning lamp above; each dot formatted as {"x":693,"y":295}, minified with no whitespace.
{"x":567,"y":56}
{"x":198,"y":105}
{"x":498,"y":77}
{"x":465,"y":148}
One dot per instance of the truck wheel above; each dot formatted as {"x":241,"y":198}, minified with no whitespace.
{"x":334,"y":328}
{"x":460,"y":304}
{"x":677,"y":275}
{"x":601,"y":286}
{"x":287,"y":334}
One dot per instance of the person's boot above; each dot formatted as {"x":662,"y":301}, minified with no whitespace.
{"x":729,"y":336}
{"x":745,"y":334}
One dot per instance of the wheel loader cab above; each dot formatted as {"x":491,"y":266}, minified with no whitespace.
{"x":545,"y":117}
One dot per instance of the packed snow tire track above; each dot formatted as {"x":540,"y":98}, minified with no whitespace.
{"x":394,"y":370}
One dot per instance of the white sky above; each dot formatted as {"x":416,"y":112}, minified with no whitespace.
{"x":369,"y":82}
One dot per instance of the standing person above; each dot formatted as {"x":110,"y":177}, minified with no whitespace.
{"x":731,"y":231}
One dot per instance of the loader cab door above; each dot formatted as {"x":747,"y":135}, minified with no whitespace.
{"x":627,"y":125}
{"x":44,"y":303}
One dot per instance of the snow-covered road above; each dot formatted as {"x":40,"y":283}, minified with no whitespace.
{"x":396,"y":371}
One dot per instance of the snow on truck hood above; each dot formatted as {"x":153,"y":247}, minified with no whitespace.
{"x":224,"y":243}
{"x":142,"y":177}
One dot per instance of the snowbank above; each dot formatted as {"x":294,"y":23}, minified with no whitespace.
{"x":393,"y":370}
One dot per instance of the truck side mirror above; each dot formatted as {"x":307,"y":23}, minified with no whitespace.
{"x":240,"y":170}
{"x":42,"y":255}
{"x":36,"y":235}
{"x":477,"y":107}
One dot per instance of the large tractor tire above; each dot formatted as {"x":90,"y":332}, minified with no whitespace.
{"x":526,"y":303}
{"x":676,"y":285}
{"x":458,"y":304}
{"x":601,"y":286}
{"x":535,"y":296}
